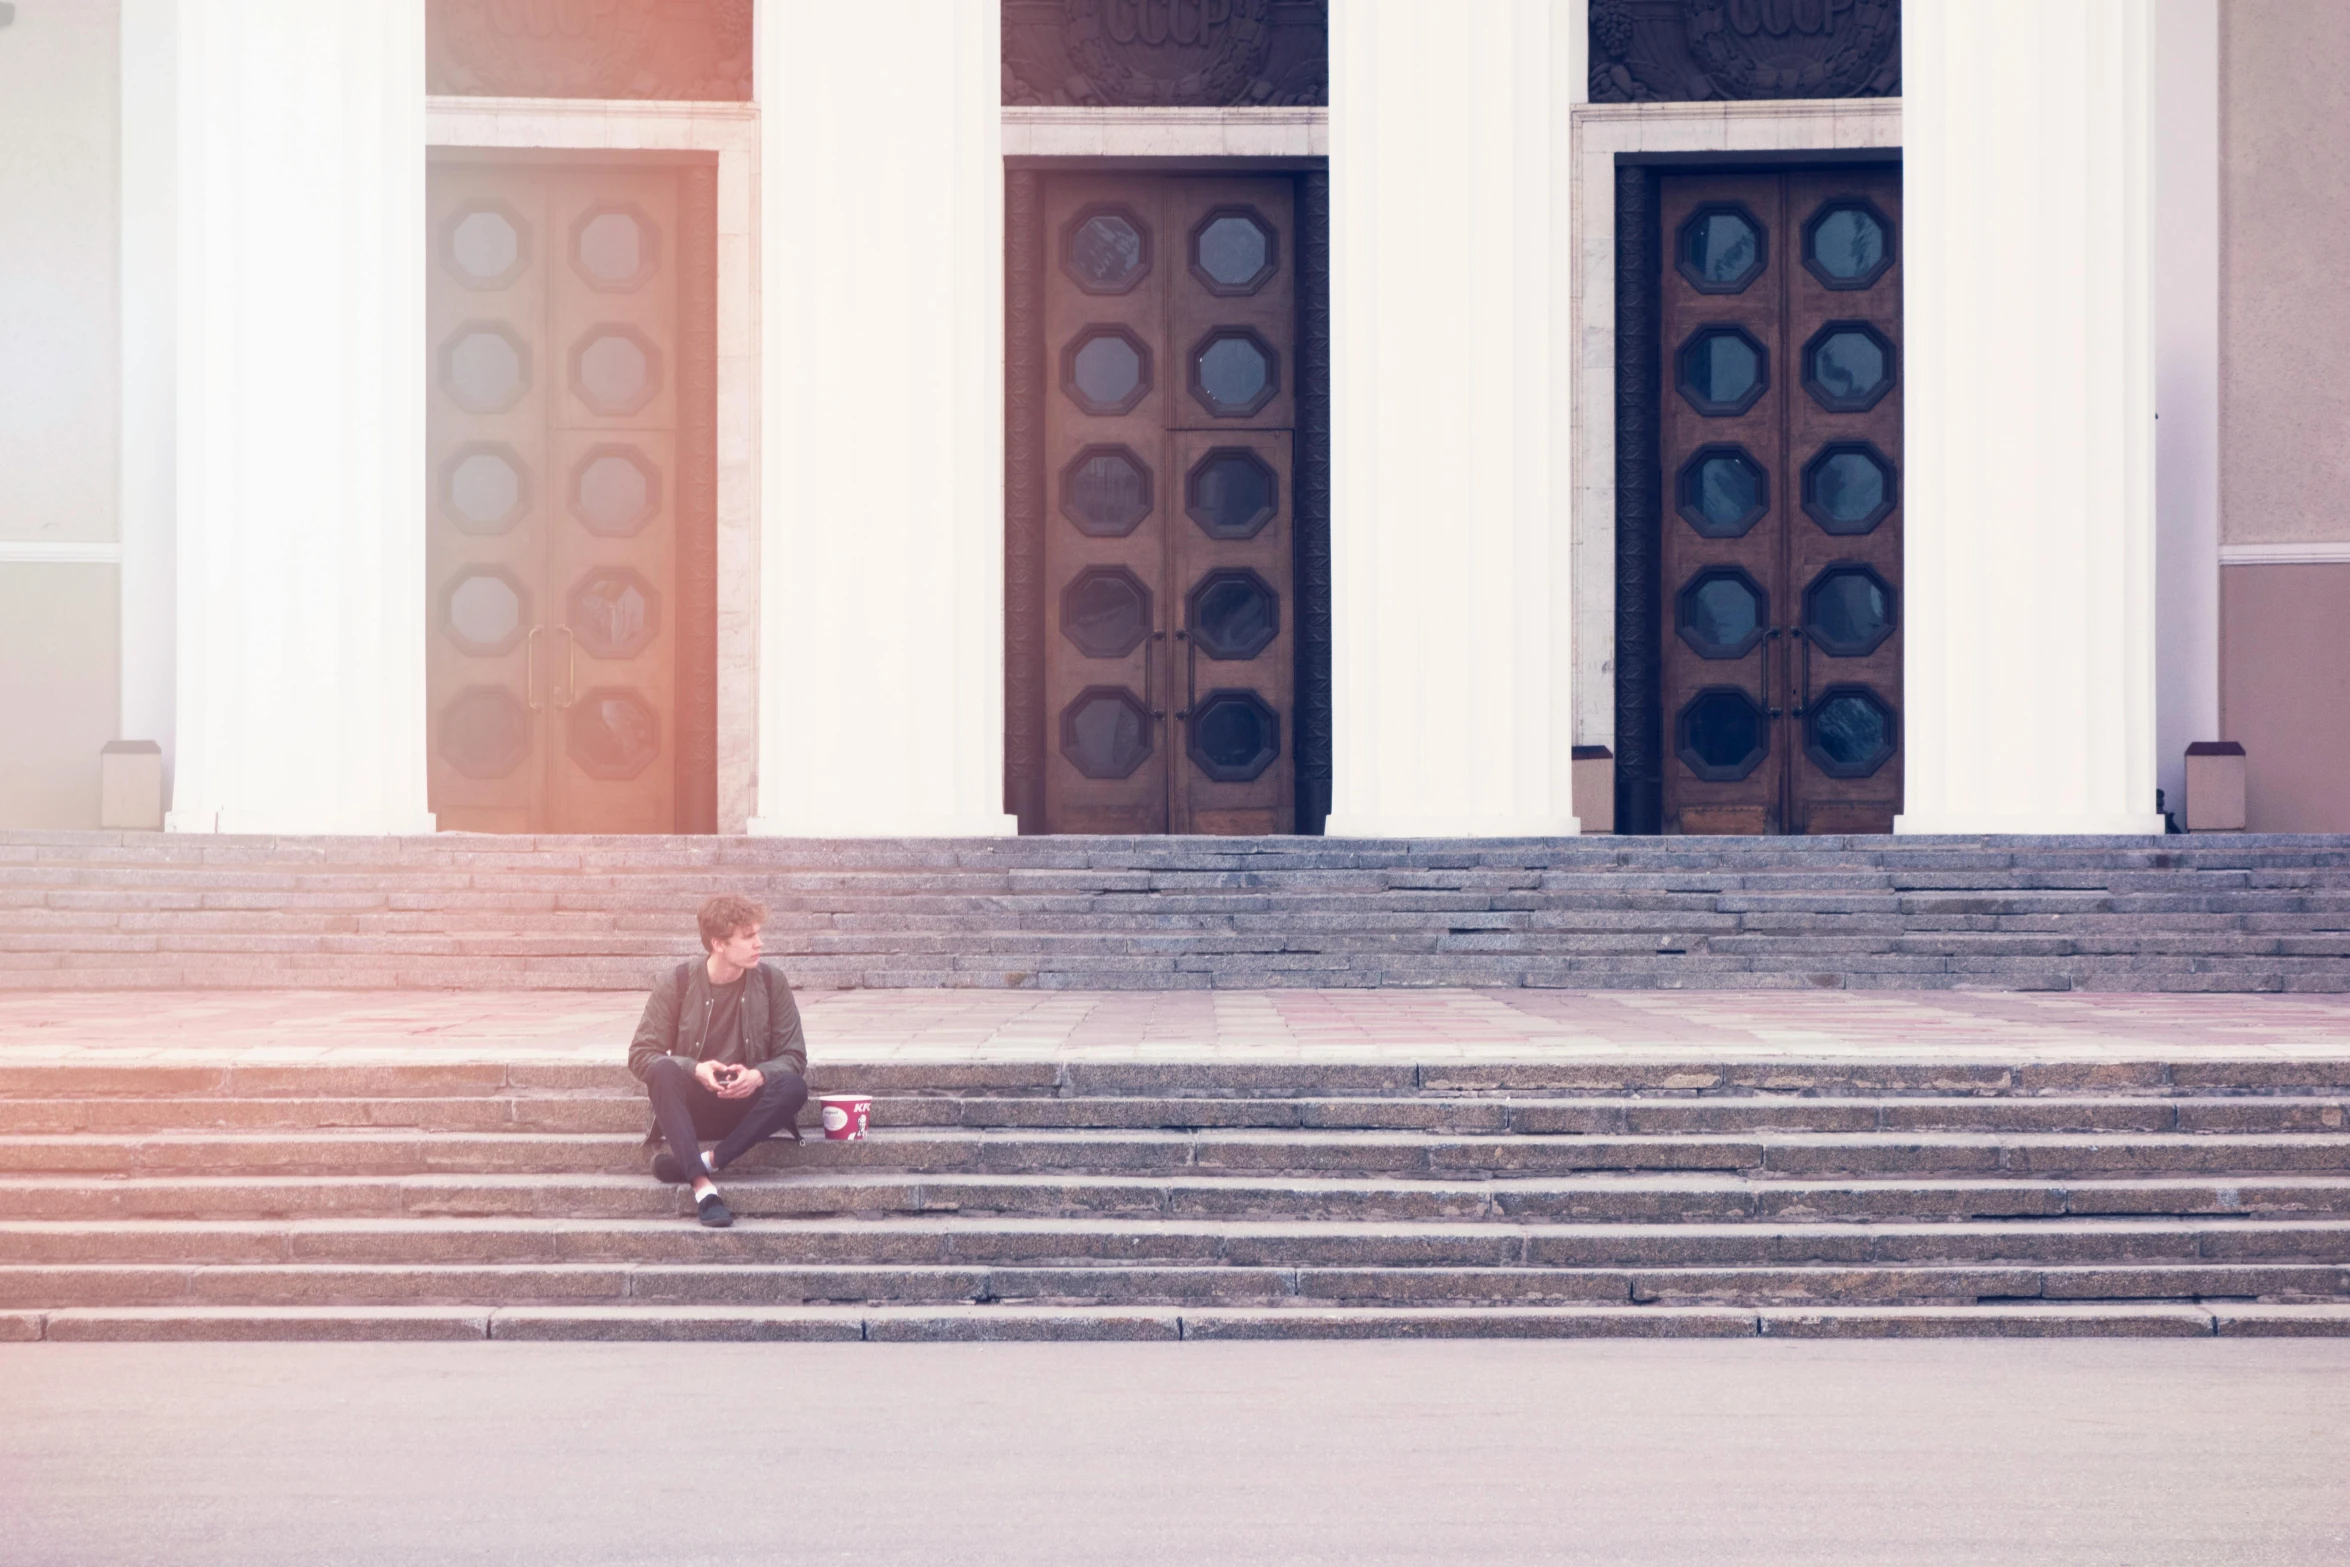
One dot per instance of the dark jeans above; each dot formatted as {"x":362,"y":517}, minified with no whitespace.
{"x":688,"y":1112}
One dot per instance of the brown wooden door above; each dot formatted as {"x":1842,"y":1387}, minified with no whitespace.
{"x":1170,"y":314}
{"x":554,"y":432}
{"x":1782,"y":536}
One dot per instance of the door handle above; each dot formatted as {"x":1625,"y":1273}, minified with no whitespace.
{"x":570,"y":668}
{"x":530,"y":669}
{"x":1183,"y":713}
{"x":1190,"y":677}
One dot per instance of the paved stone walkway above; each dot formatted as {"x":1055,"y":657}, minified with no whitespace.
{"x":1752,"y":1453}
{"x":1284,"y":1025}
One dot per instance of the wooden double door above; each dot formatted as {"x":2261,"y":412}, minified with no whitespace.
{"x":1781,"y":559}
{"x":571,"y":453}
{"x":1170,"y":317}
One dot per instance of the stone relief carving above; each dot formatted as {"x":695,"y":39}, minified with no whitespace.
{"x":672,"y":49}
{"x":1182,"y":53}
{"x":1648,"y":51}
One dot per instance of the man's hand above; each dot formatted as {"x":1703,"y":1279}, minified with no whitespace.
{"x":706,"y":1074}
{"x":745,"y":1082}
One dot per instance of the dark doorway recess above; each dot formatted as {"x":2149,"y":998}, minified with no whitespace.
{"x":1167,"y":501}
{"x":571,"y":525}
{"x":1758,"y":510}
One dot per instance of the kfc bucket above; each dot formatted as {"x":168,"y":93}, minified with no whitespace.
{"x":845,"y":1116}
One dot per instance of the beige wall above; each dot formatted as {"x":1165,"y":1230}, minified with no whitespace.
{"x":57,"y":691}
{"x":58,"y":223}
{"x":2285,"y":691}
{"x":2285,"y":250}
{"x":2285,"y":405}
{"x":59,"y":408}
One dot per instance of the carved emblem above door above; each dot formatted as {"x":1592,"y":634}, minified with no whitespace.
{"x":1647,"y":51}
{"x":644,"y":49}
{"x":1176,"y":53}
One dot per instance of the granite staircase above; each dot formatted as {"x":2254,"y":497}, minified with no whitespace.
{"x":1184,"y":1201}
{"x":2233,"y":912}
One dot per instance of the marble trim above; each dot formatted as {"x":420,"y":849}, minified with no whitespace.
{"x":1599,"y":132}
{"x":1166,"y":133}
{"x":64,"y":552}
{"x":2309,"y":553}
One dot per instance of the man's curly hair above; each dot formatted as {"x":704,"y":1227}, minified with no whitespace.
{"x":723,"y":916}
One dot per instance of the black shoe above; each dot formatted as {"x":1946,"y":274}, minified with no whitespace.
{"x":711,"y":1209}
{"x":666,"y":1168}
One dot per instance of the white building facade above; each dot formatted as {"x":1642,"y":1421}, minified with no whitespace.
{"x":1381,"y":418}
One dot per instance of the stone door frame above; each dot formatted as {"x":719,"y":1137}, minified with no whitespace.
{"x":1602,"y":133}
{"x":731,"y":131}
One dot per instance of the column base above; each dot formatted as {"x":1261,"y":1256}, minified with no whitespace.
{"x":991,"y":825}
{"x":1352,"y":825}
{"x":1972,"y":824}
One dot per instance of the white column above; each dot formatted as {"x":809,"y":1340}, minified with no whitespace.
{"x":2186,"y":385}
{"x":881,"y":534}
{"x":2030,"y":574}
{"x":1450,"y":269}
{"x":150,"y":294}
{"x":300,"y":416}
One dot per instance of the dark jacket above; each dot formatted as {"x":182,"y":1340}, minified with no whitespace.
{"x":677,"y":1014}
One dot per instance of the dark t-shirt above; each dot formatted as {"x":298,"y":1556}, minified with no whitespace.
{"x":723,"y":1041}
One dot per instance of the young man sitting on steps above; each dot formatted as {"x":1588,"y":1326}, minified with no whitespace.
{"x":720,"y":1053}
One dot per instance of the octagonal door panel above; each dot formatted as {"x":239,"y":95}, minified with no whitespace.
{"x":1169,"y":316}
{"x":571,"y":725}
{"x":1781,"y":613}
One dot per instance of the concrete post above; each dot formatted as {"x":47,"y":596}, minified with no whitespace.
{"x":1451,"y":262}
{"x":882,"y":571}
{"x":2186,"y":394}
{"x":299,"y":415}
{"x":2027,"y":184}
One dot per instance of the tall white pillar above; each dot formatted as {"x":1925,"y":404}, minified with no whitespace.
{"x":2186,"y":384}
{"x":881,"y":576}
{"x":1451,"y":368}
{"x":299,"y":416}
{"x":2030,"y":576}
{"x":149,"y":52}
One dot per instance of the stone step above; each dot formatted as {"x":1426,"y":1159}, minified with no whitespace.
{"x":310,"y":960}
{"x":1676,"y":1080}
{"x":2145,"y":974}
{"x":1370,"y":904}
{"x":392,"y":922}
{"x":999,"y":1322}
{"x":2236,"y":851}
{"x":981,"y":1241}
{"x":58,"y":1286}
{"x":460,"y":933}
{"x":2251,"y":913}
{"x":1598,"y":1198}
{"x":2047,"y":1156}
{"x":621,"y":1112}
{"x":344,"y":963}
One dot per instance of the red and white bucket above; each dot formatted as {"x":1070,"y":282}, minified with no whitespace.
{"x":845,"y":1116}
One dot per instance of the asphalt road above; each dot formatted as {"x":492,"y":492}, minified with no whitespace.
{"x":2076,"y":1453}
